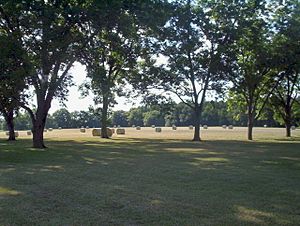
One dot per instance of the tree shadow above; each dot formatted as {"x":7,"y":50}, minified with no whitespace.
{"x":210,"y":182}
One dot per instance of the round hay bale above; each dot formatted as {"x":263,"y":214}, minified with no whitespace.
{"x":29,"y":133}
{"x":87,"y":127}
{"x":138,"y":128}
{"x":174,"y":127}
{"x":120,"y":131}
{"x":16,"y":133}
{"x":158,"y":129}
{"x":82,"y":130}
{"x":205,"y":127}
{"x":191,"y":127}
{"x":50,"y":129}
{"x":96,"y":132}
{"x":115,"y":126}
{"x":153,"y":126}
{"x":109,"y":132}
{"x":59,"y":128}
{"x":230,"y":127}
{"x":119,"y":126}
{"x":265,"y":126}
{"x":293,"y":127}
{"x":224,"y":126}
{"x":133,"y":126}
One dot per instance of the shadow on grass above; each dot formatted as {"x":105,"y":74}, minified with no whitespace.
{"x":154,"y":181}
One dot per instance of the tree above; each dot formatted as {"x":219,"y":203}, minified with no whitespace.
{"x":284,"y":97}
{"x":14,"y":67}
{"x":50,"y":122}
{"x":153,"y":117}
{"x":253,"y":80}
{"x":112,"y":52}
{"x":62,"y":118}
{"x":2,"y":126}
{"x":49,"y":32}
{"x":119,"y":118}
{"x":193,"y":41}
{"x":135,"y":116}
{"x":215,"y":113}
{"x":22,"y":121}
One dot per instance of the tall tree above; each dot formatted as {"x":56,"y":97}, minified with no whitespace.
{"x":194,"y":43}
{"x":49,"y":31}
{"x":62,"y":118}
{"x":14,"y":67}
{"x":253,"y":80}
{"x":119,"y":118}
{"x":135,"y":116}
{"x":287,"y":63}
{"x":153,"y":117}
{"x":113,"y":50}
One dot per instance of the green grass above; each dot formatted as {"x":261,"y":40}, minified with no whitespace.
{"x":150,"y":182}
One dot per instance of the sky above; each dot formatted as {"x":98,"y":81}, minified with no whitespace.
{"x":76,"y":103}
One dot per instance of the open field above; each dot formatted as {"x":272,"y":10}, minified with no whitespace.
{"x":212,"y":133}
{"x":148,"y":178}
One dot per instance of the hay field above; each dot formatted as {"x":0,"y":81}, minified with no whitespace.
{"x":149,"y":178}
{"x":182,"y":133}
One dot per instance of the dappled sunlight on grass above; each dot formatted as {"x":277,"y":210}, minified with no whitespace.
{"x":155,"y":202}
{"x":145,"y":181}
{"x":52,"y":168}
{"x":7,"y":169}
{"x":57,"y":167}
{"x":38,"y":150}
{"x":208,"y":163}
{"x":93,"y":161}
{"x":291,"y":158}
{"x":8,"y":191}
{"x":253,"y":216}
{"x":270,"y":162}
{"x":212,"y":159}
{"x":187,"y":150}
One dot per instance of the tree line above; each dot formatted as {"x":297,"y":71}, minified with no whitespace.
{"x":244,"y":50}
{"x":215,"y":113}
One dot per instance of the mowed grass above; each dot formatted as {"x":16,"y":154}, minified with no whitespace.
{"x":146,"y":178}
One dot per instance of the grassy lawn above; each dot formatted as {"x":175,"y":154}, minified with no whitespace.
{"x":140,"y":181}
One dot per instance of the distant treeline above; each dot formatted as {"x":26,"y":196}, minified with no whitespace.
{"x":215,"y":113}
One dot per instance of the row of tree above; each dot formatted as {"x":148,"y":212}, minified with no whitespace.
{"x":215,"y":113}
{"x":247,"y":49}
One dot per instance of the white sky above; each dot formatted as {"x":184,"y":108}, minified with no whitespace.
{"x":76,"y":103}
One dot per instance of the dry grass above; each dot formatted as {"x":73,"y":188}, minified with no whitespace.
{"x":182,"y":133}
{"x":149,"y":178}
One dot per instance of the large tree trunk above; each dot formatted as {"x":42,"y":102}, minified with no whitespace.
{"x":9,"y":118}
{"x":197,"y":126}
{"x":250,"y":123}
{"x":39,"y":123}
{"x":38,"y":132}
{"x":104,"y":117}
{"x":288,"y":121}
{"x":38,"y":136}
{"x":288,"y":129}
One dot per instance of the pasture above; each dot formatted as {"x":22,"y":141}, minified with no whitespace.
{"x":149,"y":178}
